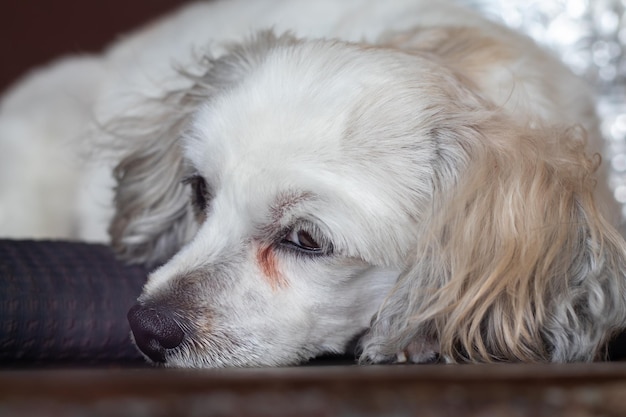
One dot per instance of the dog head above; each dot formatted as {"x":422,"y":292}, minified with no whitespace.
{"x":303,"y":189}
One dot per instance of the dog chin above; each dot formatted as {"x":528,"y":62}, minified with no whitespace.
{"x":185,"y":358}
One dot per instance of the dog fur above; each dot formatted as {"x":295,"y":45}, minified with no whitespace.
{"x":405,"y":173}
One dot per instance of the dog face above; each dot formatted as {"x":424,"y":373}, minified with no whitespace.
{"x":306,"y":180}
{"x":310,"y":191}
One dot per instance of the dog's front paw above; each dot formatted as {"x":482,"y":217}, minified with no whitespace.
{"x":418,"y":351}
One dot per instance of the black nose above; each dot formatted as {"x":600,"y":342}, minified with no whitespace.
{"x":154,"y":330}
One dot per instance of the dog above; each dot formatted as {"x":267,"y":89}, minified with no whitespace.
{"x":404,"y":176}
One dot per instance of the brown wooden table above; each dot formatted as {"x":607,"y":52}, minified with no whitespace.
{"x":431,"y":390}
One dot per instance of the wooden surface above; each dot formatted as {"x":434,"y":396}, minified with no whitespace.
{"x":433,"y":390}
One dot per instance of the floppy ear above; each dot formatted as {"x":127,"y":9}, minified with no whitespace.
{"x":514,"y":260}
{"x":153,"y":217}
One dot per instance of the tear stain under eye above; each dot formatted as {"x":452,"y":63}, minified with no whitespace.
{"x":266,"y":257}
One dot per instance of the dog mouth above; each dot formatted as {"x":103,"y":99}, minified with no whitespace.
{"x":166,"y":339}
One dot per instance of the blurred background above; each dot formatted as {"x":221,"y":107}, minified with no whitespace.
{"x":32,"y":32}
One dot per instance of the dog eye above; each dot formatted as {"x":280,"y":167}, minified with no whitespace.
{"x":199,"y":191}
{"x":303,"y":240}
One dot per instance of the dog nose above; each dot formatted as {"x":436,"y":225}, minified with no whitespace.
{"x":155,"y":331}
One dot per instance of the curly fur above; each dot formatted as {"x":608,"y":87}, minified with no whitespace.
{"x":407,"y":174}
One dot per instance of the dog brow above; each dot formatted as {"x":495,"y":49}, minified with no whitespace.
{"x":284,"y":202}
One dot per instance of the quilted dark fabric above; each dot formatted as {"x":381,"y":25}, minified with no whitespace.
{"x":65,"y":303}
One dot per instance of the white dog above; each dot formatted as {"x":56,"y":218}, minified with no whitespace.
{"x":401,"y":173}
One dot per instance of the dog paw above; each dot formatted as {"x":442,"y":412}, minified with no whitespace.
{"x":421,"y":351}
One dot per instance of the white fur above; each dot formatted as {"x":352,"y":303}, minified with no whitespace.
{"x":358,"y":127}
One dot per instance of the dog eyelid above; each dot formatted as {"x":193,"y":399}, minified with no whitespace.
{"x":301,"y":239}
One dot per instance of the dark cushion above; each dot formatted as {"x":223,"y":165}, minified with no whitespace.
{"x":65,"y":303}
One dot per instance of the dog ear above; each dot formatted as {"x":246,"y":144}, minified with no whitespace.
{"x":514,"y":261}
{"x":153,"y":217}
